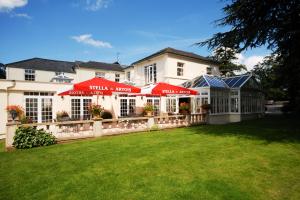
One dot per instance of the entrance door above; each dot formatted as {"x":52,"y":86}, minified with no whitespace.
{"x":127,"y":106}
{"x":186,"y":100}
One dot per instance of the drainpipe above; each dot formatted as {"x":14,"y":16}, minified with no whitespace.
{"x":7,"y":91}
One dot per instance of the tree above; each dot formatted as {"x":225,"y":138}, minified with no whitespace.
{"x":268,"y":75}
{"x":274,"y":24}
{"x":226,"y":57}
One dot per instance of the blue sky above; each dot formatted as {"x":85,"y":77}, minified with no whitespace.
{"x":100,"y":29}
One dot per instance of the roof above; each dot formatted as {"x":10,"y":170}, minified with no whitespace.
{"x":44,"y":64}
{"x":218,"y":82}
{"x":101,"y":65}
{"x":206,"y":81}
{"x":177,"y":52}
{"x":236,"y":81}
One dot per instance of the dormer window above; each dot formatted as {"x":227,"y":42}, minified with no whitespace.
{"x":29,"y":75}
{"x":59,"y":73}
{"x":100,"y":74}
{"x":180,"y":69}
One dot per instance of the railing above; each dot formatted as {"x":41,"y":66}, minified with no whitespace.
{"x":93,"y":128}
{"x":67,"y":129}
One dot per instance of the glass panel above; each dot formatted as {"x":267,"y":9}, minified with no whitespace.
{"x":31,"y":108}
{"x":123,"y":107}
{"x":86,"y":104}
{"x":131,"y":106}
{"x":75,"y":108}
{"x":46,"y":110}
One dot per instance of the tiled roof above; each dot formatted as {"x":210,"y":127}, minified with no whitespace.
{"x":44,"y":64}
{"x":101,"y":65}
{"x":176,"y":52}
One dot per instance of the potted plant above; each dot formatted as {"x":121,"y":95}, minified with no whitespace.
{"x":148,"y":109}
{"x":62,"y":116}
{"x":15,"y":111}
{"x":95,"y":110}
{"x":184,"y":108}
{"x":206,"y":107}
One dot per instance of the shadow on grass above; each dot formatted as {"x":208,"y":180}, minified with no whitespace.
{"x":280,"y":128}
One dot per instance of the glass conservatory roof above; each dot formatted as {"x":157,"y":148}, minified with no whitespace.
{"x":217,"y":82}
{"x":236,"y":81}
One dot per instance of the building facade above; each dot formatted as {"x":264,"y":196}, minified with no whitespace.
{"x":34,"y":84}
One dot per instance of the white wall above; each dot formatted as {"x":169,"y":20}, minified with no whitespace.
{"x":139,"y":76}
{"x":40,"y":75}
{"x":166,"y":66}
{"x":83,"y":74}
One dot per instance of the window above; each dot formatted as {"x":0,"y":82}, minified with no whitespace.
{"x":117,"y":77}
{"x":38,"y":106}
{"x":100,"y":74}
{"x":31,"y":108}
{"x":29,"y":75}
{"x":80,"y":108}
{"x":171,"y":105}
{"x":128,"y":76}
{"x":150,"y":74}
{"x":59,"y":73}
{"x":209,"y":70}
{"x":156,"y":103}
{"x":127,"y":106}
{"x":180,"y":69}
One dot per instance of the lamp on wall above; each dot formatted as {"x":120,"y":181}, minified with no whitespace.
{"x":142,"y":97}
{"x":116,"y":97}
{"x":103,"y":97}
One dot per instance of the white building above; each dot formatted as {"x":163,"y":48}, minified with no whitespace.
{"x":35,"y":84}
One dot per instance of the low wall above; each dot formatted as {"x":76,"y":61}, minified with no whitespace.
{"x":103,"y":127}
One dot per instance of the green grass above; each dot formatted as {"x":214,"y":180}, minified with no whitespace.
{"x":250,"y":160}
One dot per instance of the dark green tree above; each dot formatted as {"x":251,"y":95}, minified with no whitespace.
{"x":267,"y":74}
{"x":226,"y":57}
{"x":271,"y":23}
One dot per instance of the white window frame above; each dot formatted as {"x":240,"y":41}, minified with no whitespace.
{"x":29,"y":72}
{"x":169,"y":104}
{"x":128,"y":112}
{"x":81,"y":100}
{"x":180,"y":69}
{"x":152,"y":101}
{"x":39,"y":96}
{"x":150,"y":73}
{"x":128,"y":76}
{"x":117,"y":77}
{"x":100,"y":74}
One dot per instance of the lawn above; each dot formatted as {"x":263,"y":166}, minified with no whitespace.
{"x":257,"y":159}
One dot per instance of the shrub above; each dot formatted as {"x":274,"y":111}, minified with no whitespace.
{"x":106,"y":115}
{"x":27,"y":137}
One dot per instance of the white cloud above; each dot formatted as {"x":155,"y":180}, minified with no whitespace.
{"x":9,"y":5}
{"x":94,"y":5}
{"x":250,"y":61}
{"x":87,"y":39}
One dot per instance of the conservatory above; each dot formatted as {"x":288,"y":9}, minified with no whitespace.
{"x":231,"y":99}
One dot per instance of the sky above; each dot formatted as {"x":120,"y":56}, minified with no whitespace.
{"x":108,"y":30}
